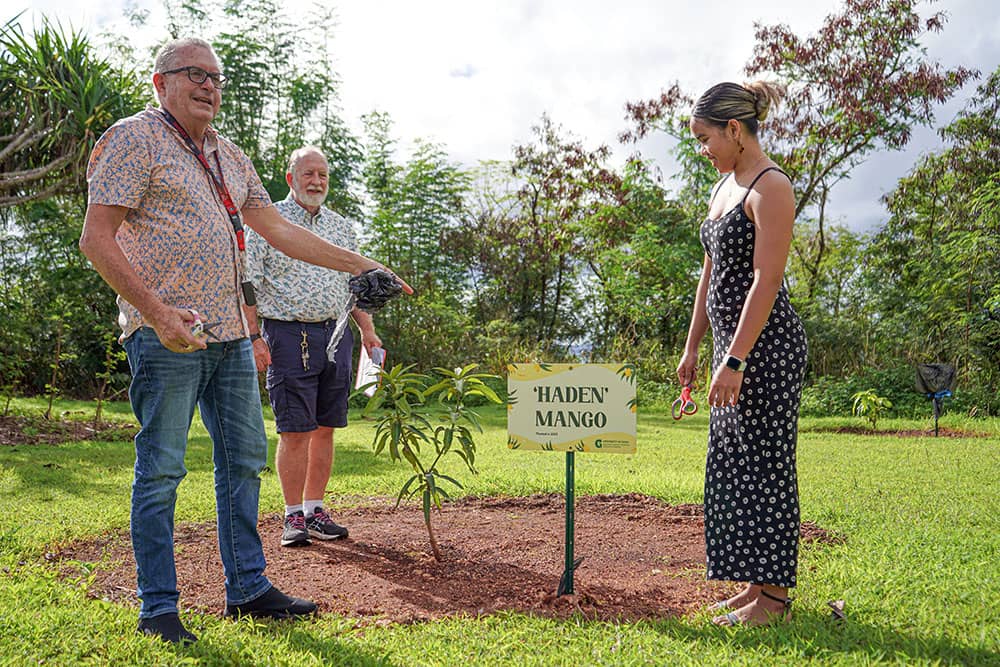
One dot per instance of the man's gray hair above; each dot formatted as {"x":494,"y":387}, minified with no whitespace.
{"x":300,"y":153}
{"x":167,"y":56}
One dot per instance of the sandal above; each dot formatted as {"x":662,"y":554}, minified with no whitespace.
{"x":784,"y":613}
{"x":723,"y":605}
{"x":733,"y":619}
{"x":786,"y":603}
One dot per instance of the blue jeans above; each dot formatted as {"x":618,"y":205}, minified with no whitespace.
{"x":166,"y":386}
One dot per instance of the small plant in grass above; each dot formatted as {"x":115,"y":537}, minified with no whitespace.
{"x":112,"y":356}
{"x":52,"y":389}
{"x":404,"y":400}
{"x":871,"y":406}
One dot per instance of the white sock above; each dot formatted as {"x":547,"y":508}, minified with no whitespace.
{"x":292,"y":509}
{"x":311,"y":506}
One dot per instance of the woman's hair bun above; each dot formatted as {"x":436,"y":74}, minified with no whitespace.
{"x":766,"y":95}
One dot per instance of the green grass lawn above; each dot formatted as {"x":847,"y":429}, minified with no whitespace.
{"x":919,"y":567}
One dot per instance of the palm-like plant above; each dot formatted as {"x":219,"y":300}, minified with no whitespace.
{"x":404,"y":426}
{"x":56,"y":98}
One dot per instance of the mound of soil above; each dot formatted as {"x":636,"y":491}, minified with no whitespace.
{"x":642,"y":558}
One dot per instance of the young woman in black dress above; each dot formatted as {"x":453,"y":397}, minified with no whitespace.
{"x":751,"y":493}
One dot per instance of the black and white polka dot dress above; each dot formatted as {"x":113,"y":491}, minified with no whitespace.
{"x":751,"y":491}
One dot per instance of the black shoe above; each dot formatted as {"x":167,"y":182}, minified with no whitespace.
{"x":294,"y":533}
{"x":167,"y":627}
{"x":272,"y":604}
{"x":322,"y":527}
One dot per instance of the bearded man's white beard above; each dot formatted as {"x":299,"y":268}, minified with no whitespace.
{"x":311,"y":199}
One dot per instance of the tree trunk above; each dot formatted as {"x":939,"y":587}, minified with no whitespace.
{"x":430,"y":534}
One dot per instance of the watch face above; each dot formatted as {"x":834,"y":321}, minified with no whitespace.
{"x":735,"y":364}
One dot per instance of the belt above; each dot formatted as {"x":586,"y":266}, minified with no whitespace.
{"x":325,"y":323}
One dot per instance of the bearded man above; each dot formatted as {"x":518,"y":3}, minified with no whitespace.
{"x":299,"y":306}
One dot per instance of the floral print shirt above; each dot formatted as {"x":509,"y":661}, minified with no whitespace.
{"x":176,"y":234}
{"x":290,"y":289}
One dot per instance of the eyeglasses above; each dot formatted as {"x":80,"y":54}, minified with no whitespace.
{"x":198,"y":75}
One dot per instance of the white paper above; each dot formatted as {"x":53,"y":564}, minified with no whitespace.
{"x":338,"y":331}
{"x":368,"y":368}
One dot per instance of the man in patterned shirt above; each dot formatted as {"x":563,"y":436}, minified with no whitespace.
{"x":163,"y":228}
{"x":299,"y":305}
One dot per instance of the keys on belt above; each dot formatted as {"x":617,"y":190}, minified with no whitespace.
{"x":305,"y":350}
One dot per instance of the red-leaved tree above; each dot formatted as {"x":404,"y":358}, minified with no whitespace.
{"x":860,"y":84}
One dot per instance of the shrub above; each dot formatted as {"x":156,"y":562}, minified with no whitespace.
{"x":870,"y":405}
{"x":402,"y":427}
{"x":829,"y":396}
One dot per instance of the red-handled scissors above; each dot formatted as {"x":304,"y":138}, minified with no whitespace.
{"x":684,"y":405}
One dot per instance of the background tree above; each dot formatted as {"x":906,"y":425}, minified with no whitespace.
{"x":414,"y":207}
{"x":58,"y":97}
{"x":285,"y":89}
{"x":860,"y":84}
{"x":642,"y":251}
{"x":839,"y":320}
{"x":556,"y":253}
{"x":525,"y":237}
{"x":934,"y":269}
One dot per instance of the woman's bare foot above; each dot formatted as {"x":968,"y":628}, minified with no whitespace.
{"x":741,"y":599}
{"x":769,"y":607}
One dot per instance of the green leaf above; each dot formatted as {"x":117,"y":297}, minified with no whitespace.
{"x":440,"y":492}
{"x":488,"y":393}
{"x":452,"y":480}
{"x":406,"y":488}
{"x":434,"y":389}
{"x":380,"y":443}
{"x":411,"y":457}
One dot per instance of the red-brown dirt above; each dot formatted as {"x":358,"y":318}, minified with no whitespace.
{"x":642,"y":558}
{"x":943,"y":432}
{"x":23,"y":430}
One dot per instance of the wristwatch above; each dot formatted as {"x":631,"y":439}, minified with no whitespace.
{"x":254,"y":336}
{"x":735,"y":364}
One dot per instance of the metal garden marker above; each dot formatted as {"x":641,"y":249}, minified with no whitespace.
{"x":566,"y":581}
{"x":571,"y":408}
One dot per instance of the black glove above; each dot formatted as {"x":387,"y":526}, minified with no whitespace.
{"x":374,"y":288}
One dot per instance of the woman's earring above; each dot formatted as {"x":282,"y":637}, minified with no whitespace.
{"x":741,"y":145}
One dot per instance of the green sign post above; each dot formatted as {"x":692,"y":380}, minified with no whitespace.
{"x":571,"y":408}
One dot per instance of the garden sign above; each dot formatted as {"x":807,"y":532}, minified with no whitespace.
{"x":571,"y":408}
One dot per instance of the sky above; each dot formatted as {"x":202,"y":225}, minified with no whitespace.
{"x":475,"y":75}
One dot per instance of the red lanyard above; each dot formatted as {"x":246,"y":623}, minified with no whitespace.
{"x":220,"y":185}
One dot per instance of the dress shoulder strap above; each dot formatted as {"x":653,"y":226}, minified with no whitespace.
{"x":716,"y":187}
{"x":757,"y":178}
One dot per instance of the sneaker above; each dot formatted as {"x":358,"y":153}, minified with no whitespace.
{"x":294,"y":533}
{"x":272,"y":604}
{"x":167,"y":627}
{"x":322,"y":527}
